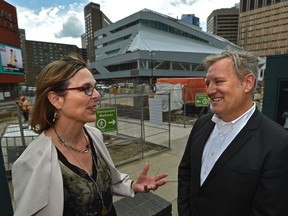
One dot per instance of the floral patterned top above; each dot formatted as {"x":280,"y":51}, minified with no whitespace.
{"x":81,"y":196}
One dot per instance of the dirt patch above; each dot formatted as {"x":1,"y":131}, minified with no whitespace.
{"x":122,"y":149}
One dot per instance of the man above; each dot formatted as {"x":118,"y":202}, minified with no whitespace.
{"x":24,"y":104}
{"x":236,"y":160}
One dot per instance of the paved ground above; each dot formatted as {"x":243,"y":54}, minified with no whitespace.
{"x":165,"y":162}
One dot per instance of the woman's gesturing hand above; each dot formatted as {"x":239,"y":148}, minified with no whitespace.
{"x":145,"y":183}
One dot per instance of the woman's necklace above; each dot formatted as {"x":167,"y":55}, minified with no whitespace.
{"x":63,"y":143}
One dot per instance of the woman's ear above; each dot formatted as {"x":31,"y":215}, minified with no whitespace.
{"x":55,"y":99}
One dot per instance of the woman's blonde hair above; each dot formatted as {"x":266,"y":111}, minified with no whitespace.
{"x":53,"y":77}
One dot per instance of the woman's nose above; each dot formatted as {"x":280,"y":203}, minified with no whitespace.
{"x":96,"y":94}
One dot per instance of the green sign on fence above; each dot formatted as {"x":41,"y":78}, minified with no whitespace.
{"x":201,"y":100}
{"x":106,"y":119}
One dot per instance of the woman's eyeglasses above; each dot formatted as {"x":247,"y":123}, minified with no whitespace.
{"x":87,"y":88}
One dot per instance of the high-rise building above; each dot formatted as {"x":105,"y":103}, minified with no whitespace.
{"x":224,"y":22}
{"x":191,"y":19}
{"x":95,"y":19}
{"x":263,"y":26}
{"x":38,"y":54}
{"x":83,"y":41}
{"x":22,"y":35}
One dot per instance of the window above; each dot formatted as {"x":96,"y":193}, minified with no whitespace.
{"x":244,"y":3}
{"x":251,"y":4}
{"x":268,"y":2}
{"x":260,"y":3}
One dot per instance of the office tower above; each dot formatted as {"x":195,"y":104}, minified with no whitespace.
{"x":224,"y":22}
{"x":83,"y":41}
{"x":95,"y":19}
{"x":263,"y":26}
{"x":191,"y":19}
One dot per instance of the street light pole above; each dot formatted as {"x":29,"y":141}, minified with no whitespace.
{"x":151,"y":52}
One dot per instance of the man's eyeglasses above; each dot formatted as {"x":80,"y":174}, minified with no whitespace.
{"x":87,"y":88}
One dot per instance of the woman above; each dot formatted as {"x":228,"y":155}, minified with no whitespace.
{"x":67,"y":169}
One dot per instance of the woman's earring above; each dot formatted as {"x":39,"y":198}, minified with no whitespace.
{"x":56,"y":116}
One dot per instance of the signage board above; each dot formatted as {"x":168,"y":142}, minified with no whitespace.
{"x":201,"y":100}
{"x":11,"y":60}
{"x":106,"y":119}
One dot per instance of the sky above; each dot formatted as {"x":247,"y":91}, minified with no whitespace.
{"x":62,"y":21}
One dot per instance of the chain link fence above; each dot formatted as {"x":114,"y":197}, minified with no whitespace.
{"x":138,"y":133}
{"x":15,"y":134}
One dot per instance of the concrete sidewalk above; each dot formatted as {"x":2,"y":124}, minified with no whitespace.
{"x":165,"y":162}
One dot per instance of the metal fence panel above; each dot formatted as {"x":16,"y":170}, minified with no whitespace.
{"x":137,"y":136}
{"x":15,"y":134}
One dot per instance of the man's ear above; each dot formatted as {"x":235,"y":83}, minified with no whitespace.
{"x":56,"y":100}
{"x":250,"y":82}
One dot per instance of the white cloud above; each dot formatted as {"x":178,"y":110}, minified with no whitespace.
{"x":72,"y":27}
{"x":173,"y":8}
{"x":56,"y":24}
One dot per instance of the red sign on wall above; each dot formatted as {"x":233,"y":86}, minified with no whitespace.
{"x":9,"y":24}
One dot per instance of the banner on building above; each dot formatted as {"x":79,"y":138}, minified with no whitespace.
{"x":11,"y":61}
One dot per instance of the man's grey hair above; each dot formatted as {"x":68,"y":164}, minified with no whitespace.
{"x":244,"y":62}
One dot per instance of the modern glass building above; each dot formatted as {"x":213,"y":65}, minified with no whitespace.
{"x":147,"y":44}
{"x":190,"y":18}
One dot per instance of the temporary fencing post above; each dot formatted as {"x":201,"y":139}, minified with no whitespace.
{"x":5,"y":198}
